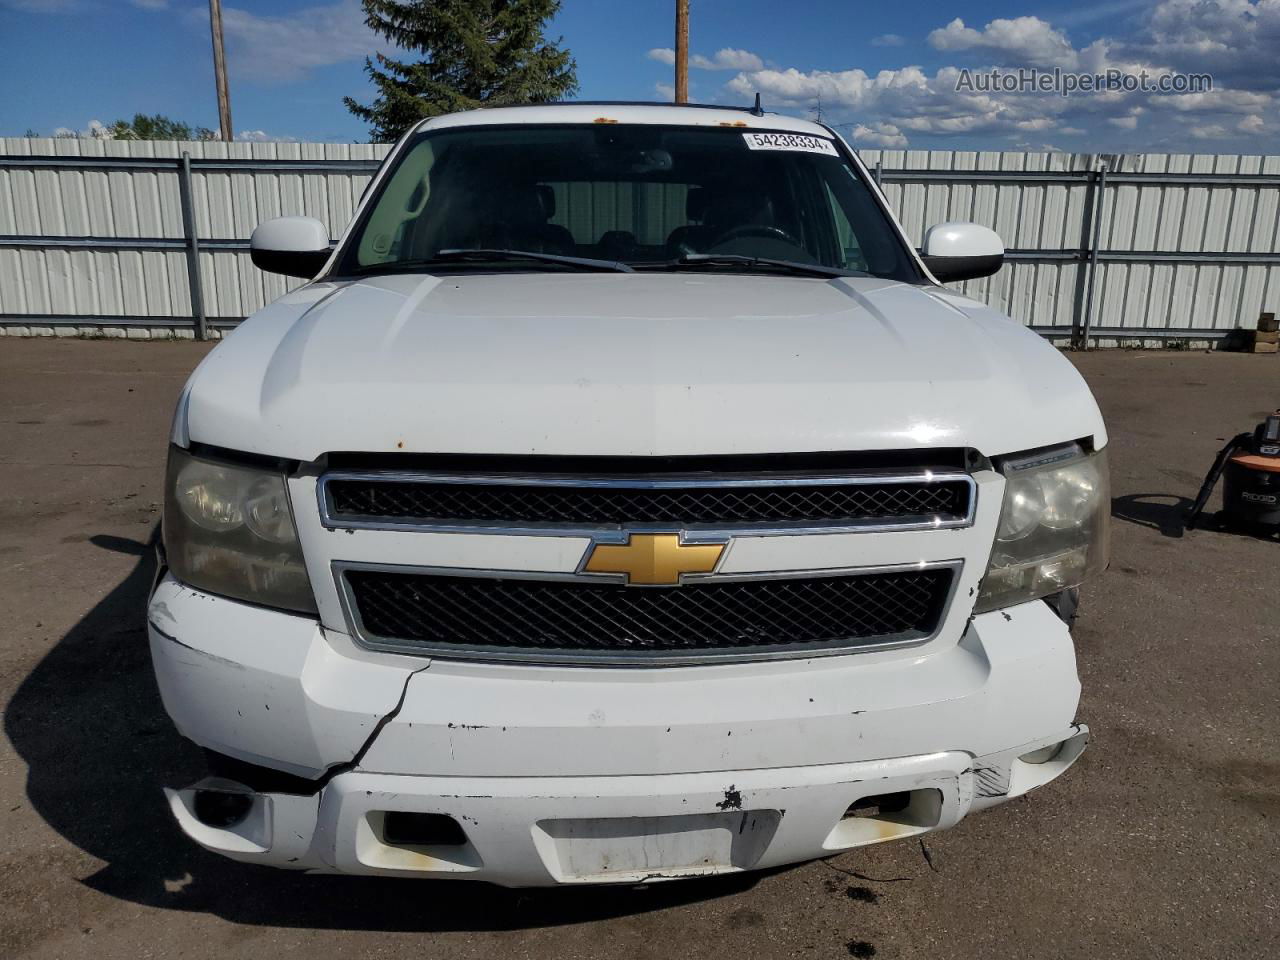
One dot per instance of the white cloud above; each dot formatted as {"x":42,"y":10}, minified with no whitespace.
{"x":852,"y":88}
{"x":907,"y":98}
{"x":1108,"y":9}
{"x":961,"y":123}
{"x":1025,"y":41}
{"x":727,"y":59}
{"x":261,"y":136}
{"x":879,"y":135}
{"x":42,"y":6}
{"x":69,"y":6}
{"x":1211,"y":131}
{"x":665,"y":91}
{"x":1186,"y":36}
{"x":887,"y":40}
{"x":1216,"y":101}
{"x":283,"y":49}
{"x":96,"y":130}
{"x":1235,"y":40}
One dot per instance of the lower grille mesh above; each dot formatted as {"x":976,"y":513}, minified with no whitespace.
{"x":417,"y":611}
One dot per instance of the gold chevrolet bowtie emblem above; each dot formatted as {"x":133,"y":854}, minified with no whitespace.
{"x":653,"y":558}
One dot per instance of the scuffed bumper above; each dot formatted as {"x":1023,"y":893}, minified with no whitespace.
{"x":554,"y":830}
{"x":564,"y":775}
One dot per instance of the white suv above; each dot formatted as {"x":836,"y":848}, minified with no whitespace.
{"x":623,"y":499}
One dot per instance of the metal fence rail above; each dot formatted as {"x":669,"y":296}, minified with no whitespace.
{"x":1100,"y":247}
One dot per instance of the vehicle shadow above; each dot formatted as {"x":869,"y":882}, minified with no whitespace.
{"x":1165,"y":512}
{"x":1145,"y":510}
{"x":89,"y":723}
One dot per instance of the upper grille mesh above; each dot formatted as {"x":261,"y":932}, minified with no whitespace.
{"x":427,"y":502}
{"x":410,"y":610}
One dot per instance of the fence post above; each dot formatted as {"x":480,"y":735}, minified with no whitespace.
{"x":879,"y":175}
{"x":1099,"y":205}
{"x":193,"y":248}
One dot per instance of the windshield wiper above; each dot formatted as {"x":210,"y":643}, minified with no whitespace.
{"x":737,"y":261}
{"x":456,"y":256}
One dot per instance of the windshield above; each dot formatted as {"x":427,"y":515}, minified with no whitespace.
{"x":652,"y":197}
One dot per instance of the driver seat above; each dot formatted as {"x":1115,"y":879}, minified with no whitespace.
{"x":526,"y":216}
{"x":720,"y":209}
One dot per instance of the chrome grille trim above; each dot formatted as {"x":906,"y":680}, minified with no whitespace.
{"x":693,"y":531}
{"x":638,"y":658}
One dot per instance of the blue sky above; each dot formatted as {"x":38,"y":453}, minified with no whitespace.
{"x":885,"y":74}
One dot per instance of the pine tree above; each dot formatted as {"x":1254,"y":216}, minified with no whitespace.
{"x":475,"y":53}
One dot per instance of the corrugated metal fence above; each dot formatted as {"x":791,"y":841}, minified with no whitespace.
{"x":1152,"y":246}
{"x":133,"y":237}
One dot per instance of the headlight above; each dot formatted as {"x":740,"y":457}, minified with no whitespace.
{"x":228,"y":529}
{"x":1053,"y":526}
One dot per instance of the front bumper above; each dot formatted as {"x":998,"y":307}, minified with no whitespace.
{"x":581,"y":775}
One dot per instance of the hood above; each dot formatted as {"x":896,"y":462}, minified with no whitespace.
{"x":631,"y":364}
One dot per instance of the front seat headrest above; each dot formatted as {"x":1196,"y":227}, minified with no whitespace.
{"x":547,"y":199}
{"x":695,"y":203}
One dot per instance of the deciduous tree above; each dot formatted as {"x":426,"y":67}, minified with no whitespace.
{"x":157,"y":127}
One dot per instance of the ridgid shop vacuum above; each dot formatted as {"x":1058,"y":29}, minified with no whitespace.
{"x":1250,"y":468}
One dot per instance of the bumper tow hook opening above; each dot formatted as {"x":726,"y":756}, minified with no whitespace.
{"x":405,"y":829}
{"x":221,"y":808}
{"x":887,"y":816}
{"x":1044,"y":754}
{"x":879,"y":805}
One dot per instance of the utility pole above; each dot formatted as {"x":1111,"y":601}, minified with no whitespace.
{"x":682,"y":51}
{"x":220,"y":70}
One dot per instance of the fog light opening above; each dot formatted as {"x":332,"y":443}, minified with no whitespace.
{"x":221,"y":809}
{"x":879,"y":805}
{"x":886,"y":816}
{"x":404,"y":829}
{"x":1044,"y":754}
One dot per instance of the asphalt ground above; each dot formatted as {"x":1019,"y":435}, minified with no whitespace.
{"x":1161,"y":842}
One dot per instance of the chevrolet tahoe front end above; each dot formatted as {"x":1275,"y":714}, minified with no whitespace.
{"x":573,"y":554}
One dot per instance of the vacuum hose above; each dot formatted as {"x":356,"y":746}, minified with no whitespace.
{"x":1211,"y":478}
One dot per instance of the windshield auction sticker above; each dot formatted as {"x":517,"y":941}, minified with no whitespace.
{"x":790,"y":141}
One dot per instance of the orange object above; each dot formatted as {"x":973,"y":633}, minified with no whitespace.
{"x":1255,"y":462}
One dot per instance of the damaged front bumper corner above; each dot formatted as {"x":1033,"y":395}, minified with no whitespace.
{"x":265,"y":687}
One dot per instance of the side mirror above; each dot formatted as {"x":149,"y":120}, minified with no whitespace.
{"x":961,"y":251}
{"x":294,"y":246}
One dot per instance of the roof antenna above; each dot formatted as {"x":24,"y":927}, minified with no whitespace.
{"x":757,"y":110}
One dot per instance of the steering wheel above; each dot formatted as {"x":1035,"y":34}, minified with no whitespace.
{"x":755,"y":230}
